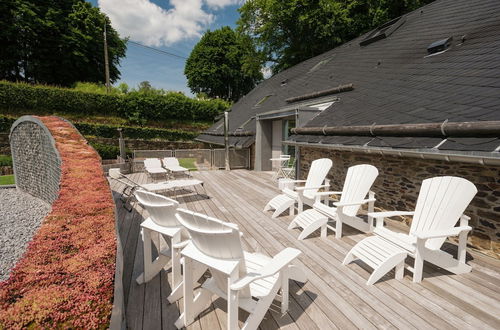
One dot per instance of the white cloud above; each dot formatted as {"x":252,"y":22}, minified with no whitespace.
{"x":222,"y":3}
{"x":148,"y":23}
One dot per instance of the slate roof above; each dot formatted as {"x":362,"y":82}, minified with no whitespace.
{"x":395,"y":82}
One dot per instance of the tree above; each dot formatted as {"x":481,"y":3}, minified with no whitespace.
{"x":223,"y":64}
{"x":289,"y":32}
{"x":56,"y":42}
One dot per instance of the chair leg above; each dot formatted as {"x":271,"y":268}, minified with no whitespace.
{"x":284,"y":290}
{"x":232,"y":302}
{"x":419,"y":262}
{"x":338,"y":228}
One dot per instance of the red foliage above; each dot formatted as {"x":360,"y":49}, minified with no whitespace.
{"x":65,"y":278}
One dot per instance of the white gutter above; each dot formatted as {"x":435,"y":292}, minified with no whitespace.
{"x":483,"y":159}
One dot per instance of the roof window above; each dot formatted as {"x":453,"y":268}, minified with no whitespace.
{"x":383,"y":31}
{"x":439,"y":46}
{"x":320,"y":64}
{"x":262,"y":100}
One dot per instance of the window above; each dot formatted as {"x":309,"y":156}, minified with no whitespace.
{"x":383,"y":31}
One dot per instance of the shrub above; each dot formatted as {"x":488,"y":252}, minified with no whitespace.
{"x":65,"y":278}
{"x":107,"y":151}
{"x":5,"y":160}
{"x":135,"y":106}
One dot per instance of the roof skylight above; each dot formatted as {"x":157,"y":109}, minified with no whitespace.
{"x":383,"y":31}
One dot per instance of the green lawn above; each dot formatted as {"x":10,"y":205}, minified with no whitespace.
{"x":6,"y":179}
{"x":189,"y":163}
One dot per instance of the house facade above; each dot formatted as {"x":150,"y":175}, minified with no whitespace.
{"x":417,"y":97}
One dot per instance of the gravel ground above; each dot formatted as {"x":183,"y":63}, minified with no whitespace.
{"x":20,"y":217}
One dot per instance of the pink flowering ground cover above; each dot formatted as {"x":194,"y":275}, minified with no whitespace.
{"x":66,"y":277}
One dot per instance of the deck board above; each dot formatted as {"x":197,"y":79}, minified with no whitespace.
{"x":335,"y":297}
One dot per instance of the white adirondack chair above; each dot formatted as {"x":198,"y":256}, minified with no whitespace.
{"x":440,"y":205}
{"x":302,"y":195}
{"x":163,"y":221}
{"x":357,"y":184}
{"x":247,"y":280}
{"x":153,"y":167}
{"x":172,"y":165}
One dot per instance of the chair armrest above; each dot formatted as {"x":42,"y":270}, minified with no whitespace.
{"x":310,"y":188}
{"x":455,"y":231}
{"x":326,"y":193}
{"x":297,"y":181}
{"x":364,"y":201}
{"x":279,"y":261}
{"x":181,"y":244}
{"x":389,"y":214}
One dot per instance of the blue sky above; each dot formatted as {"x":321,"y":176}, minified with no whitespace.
{"x":171,"y":25}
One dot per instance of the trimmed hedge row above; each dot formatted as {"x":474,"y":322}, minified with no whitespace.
{"x":107,"y":151}
{"x":146,"y":133}
{"x":134,"y":106}
{"x":66,"y":277}
{"x":110,"y":131}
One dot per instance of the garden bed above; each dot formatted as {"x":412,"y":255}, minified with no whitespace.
{"x":66,"y":277}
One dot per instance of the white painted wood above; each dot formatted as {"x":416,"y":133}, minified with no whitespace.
{"x":249,"y":281}
{"x":153,"y":167}
{"x":316,"y":179}
{"x":357,"y":184}
{"x":440,"y":205}
{"x":172,"y":165}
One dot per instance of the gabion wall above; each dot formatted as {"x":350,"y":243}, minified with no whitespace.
{"x":37,"y":165}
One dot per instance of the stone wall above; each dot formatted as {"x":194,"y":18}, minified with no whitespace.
{"x":399,"y":182}
{"x":36,"y":161}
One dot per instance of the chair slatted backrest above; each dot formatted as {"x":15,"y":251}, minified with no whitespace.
{"x":170,"y":161}
{"x":441,"y":202}
{"x":357,"y":184}
{"x":317,"y":174}
{"x":217,"y":239}
{"x":152,"y":163}
{"x":161,"y":209}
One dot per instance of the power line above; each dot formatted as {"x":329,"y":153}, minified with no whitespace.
{"x":157,"y":50}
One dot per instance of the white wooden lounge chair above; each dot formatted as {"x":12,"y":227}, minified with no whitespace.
{"x":131,"y":186}
{"x":162,"y":220}
{"x":302,"y":195}
{"x":172,"y":165}
{"x":247,"y":280}
{"x":440,"y":205}
{"x":357,"y":184}
{"x":153,"y":167}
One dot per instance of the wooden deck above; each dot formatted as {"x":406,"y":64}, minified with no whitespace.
{"x":335,"y":297}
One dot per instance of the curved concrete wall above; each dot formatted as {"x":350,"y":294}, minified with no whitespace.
{"x":36,"y":161}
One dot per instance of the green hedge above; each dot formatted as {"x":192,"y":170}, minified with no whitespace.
{"x":110,"y":131}
{"x":107,"y":151}
{"x":137,"y":107}
{"x":5,"y":160}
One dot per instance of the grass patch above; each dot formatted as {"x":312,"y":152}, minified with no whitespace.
{"x":6,"y":179}
{"x":189,"y":163}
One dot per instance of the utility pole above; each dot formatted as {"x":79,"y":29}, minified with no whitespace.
{"x":106,"y":61}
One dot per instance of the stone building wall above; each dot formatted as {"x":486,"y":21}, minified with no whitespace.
{"x":37,"y":165}
{"x":399,"y":182}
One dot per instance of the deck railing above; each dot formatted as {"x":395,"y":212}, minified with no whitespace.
{"x":199,"y":159}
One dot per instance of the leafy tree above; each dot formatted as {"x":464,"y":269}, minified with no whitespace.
{"x":289,"y":32}
{"x":56,"y":42}
{"x":223,"y":65}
